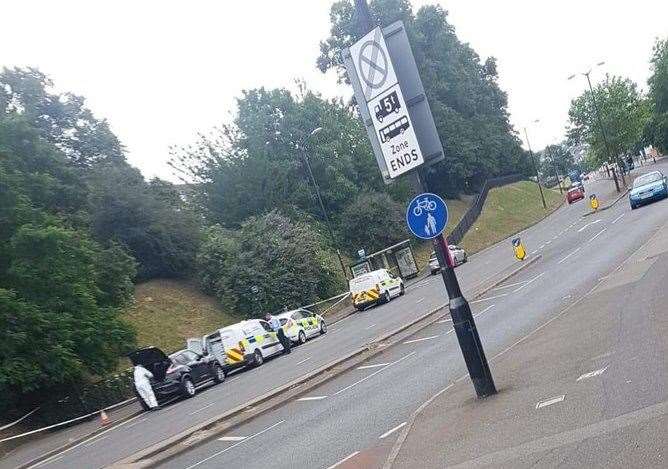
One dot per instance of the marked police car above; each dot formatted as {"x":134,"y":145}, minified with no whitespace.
{"x":302,"y":324}
{"x":376,"y":287}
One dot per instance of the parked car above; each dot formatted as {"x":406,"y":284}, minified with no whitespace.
{"x":178,"y":374}
{"x":373,"y":288}
{"x":574,"y":194}
{"x":302,"y":324}
{"x":647,"y":188}
{"x":458,"y":254}
{"x":578,"y":185}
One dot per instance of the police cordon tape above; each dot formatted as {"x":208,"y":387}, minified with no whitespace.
{"x":9,"y":425}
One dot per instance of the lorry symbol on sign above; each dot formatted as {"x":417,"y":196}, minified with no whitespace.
{"x":387,"y":106}
{"x":395,"y":128}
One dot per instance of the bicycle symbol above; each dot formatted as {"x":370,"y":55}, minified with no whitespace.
{"x":426,"y":205}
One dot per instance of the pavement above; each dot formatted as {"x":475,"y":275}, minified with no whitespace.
{"x":319,"y":432}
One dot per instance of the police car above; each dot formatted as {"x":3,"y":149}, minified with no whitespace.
{"x":302,"y":324}
{"x":373,"y":288}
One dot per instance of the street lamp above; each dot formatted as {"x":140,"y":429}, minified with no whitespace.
{"x":600,"y":124}
{"x":305,"y":159}
{"x":535,"y":167}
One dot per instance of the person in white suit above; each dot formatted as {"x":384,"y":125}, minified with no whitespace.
{"x":143,"y":385}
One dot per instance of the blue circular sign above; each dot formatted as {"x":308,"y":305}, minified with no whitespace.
{"x":427,"y":215}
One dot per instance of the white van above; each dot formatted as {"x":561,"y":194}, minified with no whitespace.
{"x":376,"y":287}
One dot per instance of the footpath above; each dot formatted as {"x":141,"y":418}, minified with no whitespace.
{"x":588,"y":390}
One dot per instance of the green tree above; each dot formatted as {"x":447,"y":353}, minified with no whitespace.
{"x":657,"y":127}
{"x":559,"y":157}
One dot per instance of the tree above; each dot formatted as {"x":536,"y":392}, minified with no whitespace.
{"x":556,"y":157}
{"x":624,"y":114}
{"x":469,"y":108}
{"x":656,"y":131}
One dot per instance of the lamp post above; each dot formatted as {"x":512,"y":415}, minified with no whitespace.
{"x":601,"y":127}
{"x":535,"y":167}
{"x":305,"y":159}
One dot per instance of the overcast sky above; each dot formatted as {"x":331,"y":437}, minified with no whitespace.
{"x":161,"y":71}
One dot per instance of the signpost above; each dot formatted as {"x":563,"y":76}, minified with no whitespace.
{"x":427,"y":216}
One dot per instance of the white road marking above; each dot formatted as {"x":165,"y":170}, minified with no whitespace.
{"x":616,"y":219}
{"x":483,"y":311}
{"x":201,"y":409}
{"x":235,"y":445}
{"x":490,"y":298}
{"x":529,"y":282}
{"x":373,"y":374}
{"x":344,"y":460}
{"x":547,"y":242}
{"x":442,"y":321}
{"x":419,"y":301}
{"x":565,"y":297}
{"x":510,"y":285}
{"x":137,"y":422}
{"x":534,"y":252}
{"x":232,"y":438}
{"x":550,"y":401}
{"x":303,"y":361}
{"x":369,"y":327}
{"x":598,"y":234}
{"x":541,"y":247}
{"x":574,"y":252}
{"x":591,"y":374}
{"x":94,"y":441}
{"x":389,"y":432}
{"x":311,"y":398}
{"x":555,"y":237}
{"x":589,"y":224}
{"x":420,"y":340}
{"x":366,"y":367}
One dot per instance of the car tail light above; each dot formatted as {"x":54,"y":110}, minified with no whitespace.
{"x":241,"y":346}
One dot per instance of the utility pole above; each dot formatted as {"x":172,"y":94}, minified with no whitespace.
{"x":535,"y":168}
{"x":556,"y":173}
{"x":460,"y":311}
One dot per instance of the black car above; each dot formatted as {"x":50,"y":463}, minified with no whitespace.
{"x":177,"y":375}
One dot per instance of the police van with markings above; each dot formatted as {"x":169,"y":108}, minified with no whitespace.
{"x":301,"y":324}
{"x":376,"y":287}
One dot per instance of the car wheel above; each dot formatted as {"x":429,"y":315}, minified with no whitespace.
{"x":323,"y":327}
{"x":402,"y":292}
{"x":633,"y":207}
{"x":301,"y":338}
{"x":386,"y":296}
{"x":188,"y":387}
{"x":258,"y":359}
{"x":218,"y":374}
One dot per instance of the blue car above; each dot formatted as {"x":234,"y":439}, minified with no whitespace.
{"x":648,"y":188}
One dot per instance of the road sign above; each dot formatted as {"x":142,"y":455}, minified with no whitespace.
{"x":385,"y":102}
{"x":361,"y":253}
{"x":427,"y":215}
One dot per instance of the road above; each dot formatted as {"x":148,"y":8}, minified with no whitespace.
{"x":353,"y":419}
{"x":507,"y":315}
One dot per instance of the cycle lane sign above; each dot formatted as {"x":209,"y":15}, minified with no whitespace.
{"x":427,"y":215}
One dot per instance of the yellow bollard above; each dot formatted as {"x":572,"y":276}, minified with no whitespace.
{"x":593,"y":201}
{"x":518,"y":248}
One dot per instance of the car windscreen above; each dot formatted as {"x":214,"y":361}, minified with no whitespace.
{"x":179,"y":358}
{"x":647,"y":179}
{"x":362,"y":283}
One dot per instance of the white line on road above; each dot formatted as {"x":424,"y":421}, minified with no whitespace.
{"x":574,"y":252}
{"x":510,"y":285}
{"x":541,"y":247}
{"x":591,"y":374}
{"x":232,"y":438}
{"x":490,"y":298}
{"x":588,"y":225}
{"x":550,"y":401}
{"x":555,"y":237}
{"x":389,"y":432}
{"x":235,"y":445}
{"x":547,"y":242}
{"x":598,"y":234}
{"x":419,"y":301}
{"x":529,"y":282}
{"x":344,"y":460}
{"x":369,"y":327}
{"x":534,"y":252}
{"x":373,"y":374}
{"x":616,"y":219}
{"x":302,"y":361}
{"x":366,"y":367}
{"x":201,"y":409}
{"x":483,"y":311}
{"x":565,"y":297}
{"x":443,"y":321}
{"x":420,"y":340}
{"x":137,"y":422}
{"x":311,"y":398}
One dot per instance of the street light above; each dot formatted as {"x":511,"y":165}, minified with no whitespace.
{"x":305,"y":159}
{"x":535,"y":167}
{"x":600,"y":124}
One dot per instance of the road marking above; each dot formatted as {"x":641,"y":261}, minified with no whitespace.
{"x":442,"y":321}
{"x":235,"y":445}
{"x":302,"y":361}
{"x":547,"y":242}
{"x":420,"y":340}
{"x":369,"y":327}
{"x":373,"y":374}
{"x":588,"y":225}
{"x":490,"y":298}
{"x":510,"y":285}
{"x":616,"y":219}
{"x":534,"y":252}
{"x":419,"y":301}
{"x":562,"y":260}
{"x":94,"y":441}
{"x":201,"y":409}
{"x":344,"y":460}
{"x":135,"y":423}
{"x":555,"y":237}
{"x":565,"y":297}
{"x":483,"y":311}
{"x":529,"y":282}
{"x":541,"y":246}
{"x":389,"y":432}
{"x":366,"y":367}
{"x":591,"y":374}
{"x":598,"y":234}
{"x":232,"y":438}
{"x":312,"y":398}
{"x":550,"y":401}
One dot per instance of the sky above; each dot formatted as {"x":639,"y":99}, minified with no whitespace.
{"x":163,"y":71}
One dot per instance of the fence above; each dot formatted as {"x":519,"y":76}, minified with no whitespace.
{"x":474,"y":210}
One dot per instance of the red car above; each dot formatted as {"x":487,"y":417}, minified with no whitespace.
{"x":574,"y":194}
